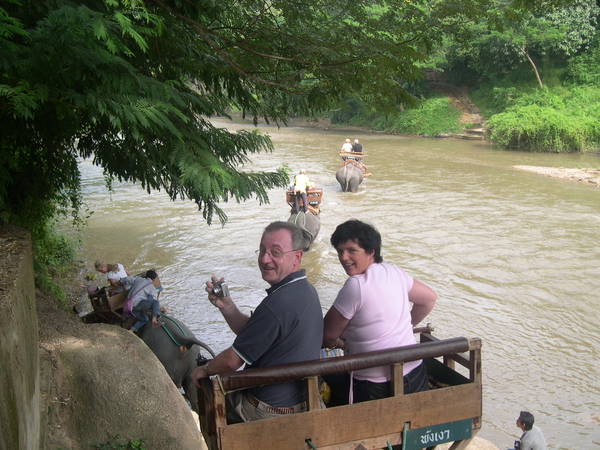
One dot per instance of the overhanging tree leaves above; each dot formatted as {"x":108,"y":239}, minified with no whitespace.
{"x":133,"y":85}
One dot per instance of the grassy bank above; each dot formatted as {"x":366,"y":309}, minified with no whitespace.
{"x":433,"y":116}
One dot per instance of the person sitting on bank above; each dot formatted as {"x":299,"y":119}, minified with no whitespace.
{"x":286,"y":327}
{"x":141,"y":296}
{"x":357,"y":147}
{"x":347,"y":146}
{"x":301,"y":184}
{"x":532,"y":438}
{"x":114,"y":272}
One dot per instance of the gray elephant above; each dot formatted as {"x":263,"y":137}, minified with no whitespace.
{"x":310,"y":224}
{"x":350,"y":176}
{"x":177,"y":349}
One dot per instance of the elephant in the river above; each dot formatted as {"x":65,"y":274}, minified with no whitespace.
{"x":350,"y":176}
{"x":310,"y":224}
{"x":177,"y":349}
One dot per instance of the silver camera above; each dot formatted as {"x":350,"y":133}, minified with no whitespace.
{"x":220,"y":289}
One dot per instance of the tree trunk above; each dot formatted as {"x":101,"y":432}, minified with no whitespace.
{"x":537,"y":74}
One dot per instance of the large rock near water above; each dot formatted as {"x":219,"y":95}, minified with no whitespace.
{"x":99,"y":381}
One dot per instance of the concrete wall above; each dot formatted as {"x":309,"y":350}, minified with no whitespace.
{"x":19,"y":363}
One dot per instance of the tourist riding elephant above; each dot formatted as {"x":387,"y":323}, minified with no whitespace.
{"x":310,"y":224}
{"x":350,"y":176}
{"x":177,"y":349}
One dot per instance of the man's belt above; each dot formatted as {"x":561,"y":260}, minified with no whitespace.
{"x":262,"y":406}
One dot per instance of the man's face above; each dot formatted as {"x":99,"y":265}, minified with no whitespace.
{"x":277,"y":258}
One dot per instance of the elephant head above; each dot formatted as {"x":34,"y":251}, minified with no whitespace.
{"x":310,"y":224}
{"x":177,"y":349}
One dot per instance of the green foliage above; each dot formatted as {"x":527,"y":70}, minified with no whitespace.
{"x":514,"y":36}
{"x":585,"y":68}
{"x":432,"y":117}
{"x":542,"y":129}
{"x":352,"y":111}
{"x":133,"y":84}
{"x":53,"y":258}
{"x":119,"y":444}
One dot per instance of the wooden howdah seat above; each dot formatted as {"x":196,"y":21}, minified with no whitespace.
{"x":109,"y":308}
{"x":358,"y":164}
{"x":354,"y":156}
{"x":313,"y":195}
{"x":450,"y":411}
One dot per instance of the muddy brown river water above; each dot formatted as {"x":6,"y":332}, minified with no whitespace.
{"x":513,"y":256}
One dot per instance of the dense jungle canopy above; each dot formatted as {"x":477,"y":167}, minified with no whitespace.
{"x":132,"y":84}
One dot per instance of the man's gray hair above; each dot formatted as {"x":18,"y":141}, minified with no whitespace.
{"x":295,"y":231}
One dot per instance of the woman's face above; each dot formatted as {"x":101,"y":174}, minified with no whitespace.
{"x":353,"y":258}
{"x":102,"y":269}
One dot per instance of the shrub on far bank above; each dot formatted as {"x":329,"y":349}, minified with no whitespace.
{"x":542,"y":129}
{"x":433,"y":116}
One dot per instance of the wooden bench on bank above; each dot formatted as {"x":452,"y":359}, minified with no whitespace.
{"x":449,"y":413}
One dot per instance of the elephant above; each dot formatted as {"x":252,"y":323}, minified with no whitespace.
{"x":350,"y":175}
{"x":178,"y":350}
{"x":310,"y":224}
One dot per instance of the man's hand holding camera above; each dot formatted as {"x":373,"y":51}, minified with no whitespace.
{"x":218,"y":292}
{"x":218,"y":295}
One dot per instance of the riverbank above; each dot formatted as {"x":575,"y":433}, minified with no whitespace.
{"x":589,"y":176}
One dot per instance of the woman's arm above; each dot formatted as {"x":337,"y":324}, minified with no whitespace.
{"x":423,"y":299}
{"x":334,"y":326}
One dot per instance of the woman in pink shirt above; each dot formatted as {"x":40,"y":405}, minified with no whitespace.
{"x":372,"y":312}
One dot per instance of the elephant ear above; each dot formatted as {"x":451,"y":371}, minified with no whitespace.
{"x":301,"y":220}
{"x":307,"y":239}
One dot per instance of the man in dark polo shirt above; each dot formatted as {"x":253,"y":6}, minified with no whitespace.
{"x":286,"y":327}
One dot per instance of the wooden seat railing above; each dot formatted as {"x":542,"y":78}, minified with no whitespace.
{"x":314,"y":196}
{"x":370,"y":424}
{"x":357,"y":156}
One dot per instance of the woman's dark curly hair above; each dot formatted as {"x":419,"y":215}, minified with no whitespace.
{"x":364,"y":234}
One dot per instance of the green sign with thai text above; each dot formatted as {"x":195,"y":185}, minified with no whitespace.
{"x":437,"y":434}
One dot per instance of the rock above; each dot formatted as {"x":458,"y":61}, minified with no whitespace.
{"x":99,"y":381}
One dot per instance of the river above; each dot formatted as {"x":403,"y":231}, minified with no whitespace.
{"x":513,"y":257}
